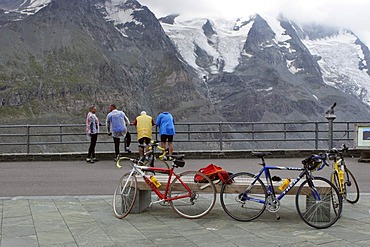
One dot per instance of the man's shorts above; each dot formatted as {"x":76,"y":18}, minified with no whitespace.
{"x":144,"y":139}
{"x":165,"y":138}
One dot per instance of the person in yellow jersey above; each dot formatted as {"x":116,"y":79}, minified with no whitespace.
{"x":144,"y":124}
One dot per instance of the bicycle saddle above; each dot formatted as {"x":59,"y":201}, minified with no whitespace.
{"x":177,"y":157}
{"x":261,"y":154}
{"x":179,"y":163}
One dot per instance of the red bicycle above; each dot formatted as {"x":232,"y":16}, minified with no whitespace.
{"x":188,"y":198}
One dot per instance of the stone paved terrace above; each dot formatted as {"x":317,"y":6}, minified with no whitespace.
{"x":88,"y":221}
{"x":68,"y":203}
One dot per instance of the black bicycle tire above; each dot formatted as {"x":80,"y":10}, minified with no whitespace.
{"x":334,"y":178}
{"x":132,"y":200}
{"x":335,"y":201}
{"x":243,"y":215}
{"x":353,"y":180}
{"x":195,"y":197}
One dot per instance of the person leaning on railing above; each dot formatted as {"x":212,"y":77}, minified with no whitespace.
{"x":144,"y":125}
{"x":166,"y":125}
{"x":116,"y":123}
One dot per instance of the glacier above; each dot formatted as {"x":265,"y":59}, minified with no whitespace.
{"x":339,"y":63}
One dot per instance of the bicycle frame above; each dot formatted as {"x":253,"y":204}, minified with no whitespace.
{"x":338,"y":167}
{"x":270,"y":187}
{"x":151,"y":152}
{"x":341,"y":175}
{"x":170,"y":171}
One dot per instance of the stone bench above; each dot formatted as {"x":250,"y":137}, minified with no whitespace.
{"x":143,"y":197}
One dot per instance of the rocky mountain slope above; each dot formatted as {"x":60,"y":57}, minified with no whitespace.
{"x":270,"y":69}
{"x":59,"y":56}
{"x":71,"y":54}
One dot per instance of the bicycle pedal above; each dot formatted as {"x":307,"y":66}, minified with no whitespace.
{"x":204,"y":186}
{"x":277,"y":216}
{"x":216,"y":181}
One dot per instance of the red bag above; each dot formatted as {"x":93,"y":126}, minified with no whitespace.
{"x":224,"y":176}
{"x":214,"y":173}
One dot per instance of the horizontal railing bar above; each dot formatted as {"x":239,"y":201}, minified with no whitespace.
{"x":186,"y":123}
{"x":187,"y":132}
{"x":183,"y":140}
{"x":177,"y":132}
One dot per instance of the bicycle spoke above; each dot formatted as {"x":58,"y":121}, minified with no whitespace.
{"x":321,"y":207}
{"x":238,"y":203}
{"x":124,"y":196}
{"x":197,"y":203}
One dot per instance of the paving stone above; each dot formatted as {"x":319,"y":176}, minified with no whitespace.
{"x":60,"y":237}
{"x":90,"y":235}
{"x":17,"y":227}
{"x":24,"y":241}
{"x":16,"y":208}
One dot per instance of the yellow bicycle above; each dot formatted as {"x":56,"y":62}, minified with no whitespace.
{"x":342,"y":177}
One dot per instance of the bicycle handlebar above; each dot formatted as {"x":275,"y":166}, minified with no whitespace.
{"x":344,"y":148}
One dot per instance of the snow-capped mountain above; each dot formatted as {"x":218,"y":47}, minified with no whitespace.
{"x":342,"y":63}
{"x":78,"y":52}
{"x":212,"y":46}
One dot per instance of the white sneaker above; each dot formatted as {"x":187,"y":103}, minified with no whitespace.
{"x":90,"y":160}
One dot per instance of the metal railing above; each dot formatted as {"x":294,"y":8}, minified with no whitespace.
{"x":215,"y":136}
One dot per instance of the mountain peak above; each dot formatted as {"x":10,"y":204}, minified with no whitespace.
{"x":169,"y":19}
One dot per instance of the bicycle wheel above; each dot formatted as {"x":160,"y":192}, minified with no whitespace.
{"x":241,"y":200}
{"x":124,"y":196}
{"x":198,"y":202}
{"x":351,"y":189}
{"x":319,"y":208}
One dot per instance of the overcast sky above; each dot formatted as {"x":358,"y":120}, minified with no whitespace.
{"x":351,"y":14}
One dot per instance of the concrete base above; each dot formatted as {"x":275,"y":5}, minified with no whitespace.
{"x":142,"y":202}
{"x":226,"y":154}
{"x":365,"y":157}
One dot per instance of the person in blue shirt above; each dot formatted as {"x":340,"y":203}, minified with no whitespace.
{"x":116,"y":123}
{"x":166,"y":125}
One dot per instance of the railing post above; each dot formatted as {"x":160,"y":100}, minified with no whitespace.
{"x":188,"y":132}
{"x":252,"y":131}
{"x":60,"y":134}
{"x":347,"y":131}
{"x":284,"y":131}
{"x":28,"y":139}
{"x":220,"y":139}
{"x":156,"y":132}
{"x":329,"y":114}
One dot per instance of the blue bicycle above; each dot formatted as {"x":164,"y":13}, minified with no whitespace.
{"x":245,"y":197}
